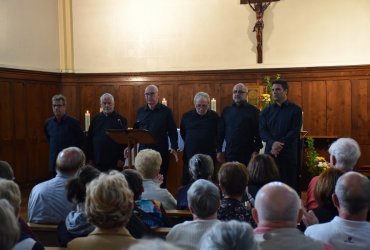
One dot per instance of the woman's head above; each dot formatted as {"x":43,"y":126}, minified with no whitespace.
{"x":201,"y":167}
{"x":262,"y":169}
{"x":148,"y":163}
{"x":233,"y":178}
{"x":135,"y":182}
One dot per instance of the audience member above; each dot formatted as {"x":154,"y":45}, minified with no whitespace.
{"x":10,"y":191}
{"x":108,"y":206}
{"x":158,"y":119}
{"x":230,"y":235}
{"x":200,"y":167}
{"x":102,"y":151}
{"x":148,"y":163}
{"x":344,"y":154}
{"x":277,"y":212}
{"x":61,"y":131}
{"x":76,"y":224}
{"x":198,"y":129}
{"x":280,"y":124}
{"x":6,"y":171}
{"x":9,"y":230}
{"x":204,"y":200}
{"x":154,"y":244}
{"x":233,"y":179}
{"x":349,"y":230}
{"x":239,"y":128}
{"x":48,"y":200}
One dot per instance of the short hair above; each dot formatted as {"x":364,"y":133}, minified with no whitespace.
{"x":203,"y":198}
{"x":109,"y":201}
{"x":6,"y":171}
{"x":325,"y":186}
{"x":135,"y":182}
{"x":233,"y":235}
{"x":346,"y":152}
{"x":153,"y":244}
{"x":233,"y":178}
{"x":70,"y":159}
{"x":262,"y":169}
{"x":156,"y":90}
{"x":76,"y":186}
{"x":201,"y":167}
{"x":106,"y":95}
{"x":245,"y":88}
{"x":282,"y":82}
{"x":9,"y":229}
{"x":353,"y":192}
{"x":277,"y":201}
{"x":59,"y":97}
{"x":10,"y":191}
{"x":148,"y":163}
{"x":200,"y":95}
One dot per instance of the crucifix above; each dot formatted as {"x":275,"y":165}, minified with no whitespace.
{"x":258,"y":6}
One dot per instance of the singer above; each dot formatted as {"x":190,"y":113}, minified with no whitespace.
{"x":102,"y":151}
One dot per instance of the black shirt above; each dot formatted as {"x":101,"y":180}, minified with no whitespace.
{"x":101,"y":148}
{"x":199,"y":133}
{"x":60,"y":135}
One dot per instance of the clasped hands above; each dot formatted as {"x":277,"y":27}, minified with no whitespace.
{"x":276,"y":148}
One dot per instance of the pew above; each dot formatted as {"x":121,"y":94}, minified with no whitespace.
{"x":46,"y":233}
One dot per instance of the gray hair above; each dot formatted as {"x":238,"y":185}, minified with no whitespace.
{"x":233,"y":235}
{"x":346,"y":152}
{"x":10,"y":191}
{"x":203,"y":198}
{"x":148,"y":163}
{"x":106,"y":95}
{"x":277,"y":201}
{"x":6,"y":171}
{"x":70,"y":159}
{"x":200,"y":95}
{"x":59,"y":97}
{"x":353,"y":192}
{"x":153,"y":244}
{"x":201,"y":166}
{"x":9,"y":229}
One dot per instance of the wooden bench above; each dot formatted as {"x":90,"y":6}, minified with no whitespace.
{"x":364,"y":169}
{"x":161,"y":231}
{"x":46,"y":233}
{"x":178,"y":216}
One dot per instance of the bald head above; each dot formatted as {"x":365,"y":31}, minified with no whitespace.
{"x":239,"y":93}
{"x":353,"y":193}
{"x":69,"y":160}
{"x":277,"y":202}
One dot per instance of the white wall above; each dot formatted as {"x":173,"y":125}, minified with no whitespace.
{"x":29,"y":34}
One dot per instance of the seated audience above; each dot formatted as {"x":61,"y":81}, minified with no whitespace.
{"x":203,"y":200}
{"x":6,"y":171}
{"x":200,"y":167}
{"x":76,"y":224}
{"x":9,"y":230}
{"x":9,"y":190}
{"x":349,"y":230}
{"x":230,"y":235}
{"x":48,"y":200}
{"x":233,"y":178}
{"x":148,"y":163}
{"x":344,"y":154}
{"x":108,"y":206}
{"x":154,"y":244}
{"x":277,"y":212}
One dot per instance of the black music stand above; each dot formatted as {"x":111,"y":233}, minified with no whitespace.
{"x":131,"y":137}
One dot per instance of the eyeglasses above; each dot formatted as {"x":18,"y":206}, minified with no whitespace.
{"x":201,"y":105}
{"x":239,"y":92}
{"x":150,"y":93}
{"x":58,"y":105}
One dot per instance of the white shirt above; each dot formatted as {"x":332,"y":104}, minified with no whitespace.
{"x":153,"y":192}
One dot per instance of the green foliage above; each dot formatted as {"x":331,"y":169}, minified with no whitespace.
{"x":311,"y":156}
{"x":268,"y":82}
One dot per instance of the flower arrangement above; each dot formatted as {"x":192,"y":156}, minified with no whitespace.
{"x":265,"y":98}
{"x":316,"y":164}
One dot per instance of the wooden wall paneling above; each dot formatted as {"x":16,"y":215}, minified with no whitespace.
{"x":365,"y":155}
{"x":71,"y":92}
{"x":34,"y":118}
{"x":7,"y":152}
{"x":295,"y":92}
{"x":126,"y":103}
{"x":338,"y":107}
{"x":185,"y":102}
{"x":314,"y":106}
{"x":6,"y":111}
{"x":89,"y":99}
{"x":360,"y":109}
{"x":226,"y":96}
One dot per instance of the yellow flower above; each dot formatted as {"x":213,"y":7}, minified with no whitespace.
{"x":320,"y":158}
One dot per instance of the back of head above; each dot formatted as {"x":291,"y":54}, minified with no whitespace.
{"x":233,"y":235}
{"x":76,"y":186}
{"x":325,"y":186}
{"x":135,"y":182}
{"x":109,"y":201}
{"x":153,"y":244}
{"x":346,"y":152}
{"x":69,"y":160}
{"x":262,"y":169}
{"x":201,"y":167}
{"x":277,"y":202}
{"x":148,"y":163}
{"x":233,"y":178}
{"x":9,"y":230}
{"x":6,"y":171}
{"x":10,"y":191}
{"x":203,"y":198}
{"x":353,"y":192}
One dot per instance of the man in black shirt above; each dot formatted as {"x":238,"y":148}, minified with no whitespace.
{"x":280,"y":124}
{"x":103,"y":152}
{"x":158,"y":119}
{"x":198,"y":129}
{"x":239,"y":128}
{"x":61,"y":131}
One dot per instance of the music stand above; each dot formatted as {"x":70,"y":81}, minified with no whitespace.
{"x":131,"y":137}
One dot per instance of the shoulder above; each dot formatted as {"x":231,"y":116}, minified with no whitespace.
{"x":292,"y":105}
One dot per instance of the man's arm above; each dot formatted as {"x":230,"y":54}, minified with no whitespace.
{"x":294,"y":127}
